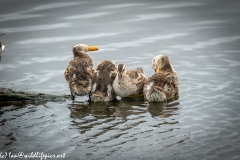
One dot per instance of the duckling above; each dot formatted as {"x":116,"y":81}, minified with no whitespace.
{"x":163,"y":85}
{"x":128,"y":83}
{"x":102,"y":90}
{"x":1,"y":49}
{"x":80,"y":72}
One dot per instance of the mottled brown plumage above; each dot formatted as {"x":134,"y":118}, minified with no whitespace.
{"x":79,"y":73}
{"x":104,"y":75}
{"x":163,"y":85}
{"x":129,"y":83}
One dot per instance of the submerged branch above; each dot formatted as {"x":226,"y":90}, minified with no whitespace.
{"x":10,"y":95}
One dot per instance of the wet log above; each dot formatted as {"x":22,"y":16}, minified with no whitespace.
{"x":10,"y":95}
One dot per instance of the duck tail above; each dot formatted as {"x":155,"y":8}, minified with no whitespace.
{"x":139,"y":69}
{"x":156,"y":94}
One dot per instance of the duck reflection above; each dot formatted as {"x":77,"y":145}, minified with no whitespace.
{"x":99,"y":110}
{"x":162,"y":109}
{"x":128,"y":107}
{"x":98,"y":118}
{"x":107,"y":109}
{"x":122,"y":110}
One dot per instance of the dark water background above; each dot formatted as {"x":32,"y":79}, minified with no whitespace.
{"x":201,"y":38}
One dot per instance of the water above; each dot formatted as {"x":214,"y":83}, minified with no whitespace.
{"x":201,"y":39}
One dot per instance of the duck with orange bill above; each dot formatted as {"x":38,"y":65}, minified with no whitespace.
{"x":163,"y":85}
{"x":80,"y":72}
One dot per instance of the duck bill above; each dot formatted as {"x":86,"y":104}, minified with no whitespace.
{"x":92,"y":48}
{"x":158,"y":70}
{"x":119,"y":78}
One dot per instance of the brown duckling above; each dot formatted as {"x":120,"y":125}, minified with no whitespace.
{"x":102,"y":90}
{"x":163,"y":85}
{"x":129,"y":83}
{"x":80,"y":72}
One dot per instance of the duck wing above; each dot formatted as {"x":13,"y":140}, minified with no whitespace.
{"x":79,"y":73}
{"x":137,"y":76}
{"x":104,"y":76}
{"x":165,"y":83}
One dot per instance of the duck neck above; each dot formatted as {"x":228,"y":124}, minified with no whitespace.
{"x":167,"y":67}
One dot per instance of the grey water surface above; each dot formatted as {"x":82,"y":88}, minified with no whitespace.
{"x":201,"y":38}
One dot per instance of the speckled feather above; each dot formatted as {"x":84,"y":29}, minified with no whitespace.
{"x":165,"y":84}
{"x":162,"y":86}
{"x":132,"y":83}
{"x":79,"y":73}
{"x":102,"y":83}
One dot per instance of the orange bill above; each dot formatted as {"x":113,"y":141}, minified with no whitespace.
{"x":158,"y":70}
{"x":92,"y":48}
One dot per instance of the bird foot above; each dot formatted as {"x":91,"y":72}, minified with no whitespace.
{"x":72,"y":97}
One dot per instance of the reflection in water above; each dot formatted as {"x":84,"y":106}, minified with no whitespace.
{"x":98,"y":110}
{"x":9,"y":132}
{"x":163,"y":109}
{"x":122,"y":115}
{"x":8,"y":137}
{"x":129,"y":122}
{"x":121,"y":109}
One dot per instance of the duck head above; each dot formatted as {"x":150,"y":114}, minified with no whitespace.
{"x":121,"y":71}
{"x":161,"y":63}
{"x":82,"y":48}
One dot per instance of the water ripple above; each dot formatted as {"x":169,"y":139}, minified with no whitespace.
{"x":67,"y":38}
{"x":49,"y":59}
{"x":4,"y":66}
{"x":139,"y":42}
{"x":208,"y":22}
{"x":178,"y":5}
{"x":145,"y":17}
{"x":17,"y":16}
{"x":119,"y":6}
{"x":35,"y":28}
{"x":53,"y":6}
{"x":87,"y":16}
{"x":204,"y":44}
